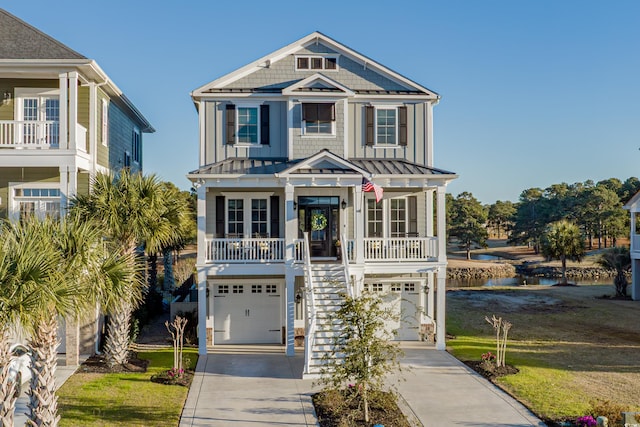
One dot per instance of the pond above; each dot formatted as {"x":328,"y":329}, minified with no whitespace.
{"x":522,"y":281}
{"x":486,"y":257}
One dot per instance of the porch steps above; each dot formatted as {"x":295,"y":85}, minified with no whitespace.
{"x":329,"y":282}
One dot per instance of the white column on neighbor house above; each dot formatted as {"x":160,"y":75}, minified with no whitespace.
{"x":68,"y":186}
{"x":64,"y":114}
{"x":73,"y":110}
{"x":429,"y":223}
{"x":359,"y":209}
{"x":93,"y":129}
{"x":441,"y":270}
{"x":441,"y":299}
{"x":202,"y":275}
{"x":290,"y":234}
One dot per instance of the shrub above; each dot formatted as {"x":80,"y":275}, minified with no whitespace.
{"x":606,"y":408}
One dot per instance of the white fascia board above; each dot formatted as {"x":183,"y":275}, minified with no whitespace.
{"x":633,"y":202}
{"x":290,"y":90}
{"x":226,"y":96}
{"x":300,"y":44}
{"x":404,"y":98}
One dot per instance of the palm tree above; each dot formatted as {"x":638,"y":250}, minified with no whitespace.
{"x":27,"y":259}
{"x":132,"y":211}
{"x":619,"y":259}
{"x":562,"y":240}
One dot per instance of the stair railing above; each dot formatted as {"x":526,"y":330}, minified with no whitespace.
{"x":311,"y":306}
{"x":345,"y":264}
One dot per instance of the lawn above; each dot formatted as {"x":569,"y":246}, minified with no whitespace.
{"x":124,"y":399}
{"x":571,"y":346}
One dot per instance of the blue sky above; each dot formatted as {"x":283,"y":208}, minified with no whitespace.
{"x":533,"y":92}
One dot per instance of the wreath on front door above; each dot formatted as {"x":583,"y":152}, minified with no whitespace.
{"x":318,"y":222}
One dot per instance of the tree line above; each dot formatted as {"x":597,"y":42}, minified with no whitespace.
{"x":596,"y":208}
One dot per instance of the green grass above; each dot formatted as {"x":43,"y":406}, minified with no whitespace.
{"x":124,"y":399}
{"x":579,"y":350}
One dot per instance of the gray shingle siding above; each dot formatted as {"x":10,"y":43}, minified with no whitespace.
{"x":350,"y":74}
{"x":305,"y":146}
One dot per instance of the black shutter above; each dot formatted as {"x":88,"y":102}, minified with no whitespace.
{"x":275,"y":216}
{"x":219,"y":216}
{"x":369,"y":116}
{"x":413,"y":216}
{"x":264,"y":124}
{"x":231,"y":124}
{"x":402,"y":125}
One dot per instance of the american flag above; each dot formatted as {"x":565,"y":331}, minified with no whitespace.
{"x":370,"y":186}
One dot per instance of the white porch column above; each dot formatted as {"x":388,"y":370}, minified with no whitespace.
{"x":441,"y":298}
{"x":429,"y":223}
{"x":358,"y":223}
{"x":431,"y":294}
{"x":73,"y":110}
{"x":442,"y":231}
{"x":93,"y":130}
{"x":291,"y":232}
{"x":64,"y":102}
{"x":68,"y":186}
{"x":203,"y":336}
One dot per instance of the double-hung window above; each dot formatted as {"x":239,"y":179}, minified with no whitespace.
{"x":386,"y":126}
{"x":374,"y":219}
{"x":136,"y":146}
{"x":259,"y":217}
{"x":236,"y":217}
{"x":398,"y":217}
{"x":247,"y":124}
{"x":318,"y":118}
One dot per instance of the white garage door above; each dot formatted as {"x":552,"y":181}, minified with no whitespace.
{"x":404,"y":299}
{"x":247,"y":313}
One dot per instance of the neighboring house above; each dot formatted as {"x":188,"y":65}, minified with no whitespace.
{"x":62,"y":120}
{"x":633,"y":206}
{"x":288,"y":146}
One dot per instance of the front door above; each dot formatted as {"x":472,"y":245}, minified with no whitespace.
{"x":319,"y":216}
{"x":320,"y":241}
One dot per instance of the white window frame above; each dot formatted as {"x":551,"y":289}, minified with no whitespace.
{"x":386,"y":216}
{"x":237,"y":124}
{"x":104,"y":135}
{"x":324,"y":62}
{"x":304,"y":122}
{"x":247,"y":198}
{"x":14,"y":203}
{"x":136,"y":146}
{"x":375,"y":124}
{"x":22,"y":93}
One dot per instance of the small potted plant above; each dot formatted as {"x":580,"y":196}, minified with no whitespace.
{"x":337,"y":244}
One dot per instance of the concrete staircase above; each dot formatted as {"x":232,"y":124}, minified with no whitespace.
{"x":329,"y":283}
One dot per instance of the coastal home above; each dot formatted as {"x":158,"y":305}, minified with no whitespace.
{"x":316,"y":179}
{"x":62,"y":120}
{"x":633,"y":206}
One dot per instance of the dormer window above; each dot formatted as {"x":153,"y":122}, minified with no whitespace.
{"x":318,"y":118}
{"x":317,"y":63}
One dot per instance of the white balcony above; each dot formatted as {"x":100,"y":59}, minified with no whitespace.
{"x":272,"y":250}
{"x":29,"y":134}
{"x":32,"y":134}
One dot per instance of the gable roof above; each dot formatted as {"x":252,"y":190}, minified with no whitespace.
{"x":316,"y":37}
{"x":317,"y":83}
{"x":19,"y":40}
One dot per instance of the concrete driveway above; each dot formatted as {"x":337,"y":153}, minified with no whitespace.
{"x":260,"y":386}
{"x":249,"y":386}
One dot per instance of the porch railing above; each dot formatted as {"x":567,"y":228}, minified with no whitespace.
{"x":37,"y":134}
{"x":244,"y":250}
{"x":400,"y":248}
{"x":310,"y":333}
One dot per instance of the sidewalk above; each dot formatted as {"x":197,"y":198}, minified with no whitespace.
{"x":260,"y":386}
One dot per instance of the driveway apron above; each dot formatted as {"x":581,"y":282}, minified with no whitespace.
{"x":249,"y":386}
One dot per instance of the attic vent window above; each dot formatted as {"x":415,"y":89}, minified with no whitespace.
{"x":317,"y":63}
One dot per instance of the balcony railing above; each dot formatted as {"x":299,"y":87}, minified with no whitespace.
{"x":247,"y":250}
{"x":272,"y":250}
{"x":400,"y":248}
{"x":32,"y":134}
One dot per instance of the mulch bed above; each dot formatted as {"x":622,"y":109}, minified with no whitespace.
{"x":97,"y":364}
{"x":338,"y":408}
{"x":491,"y":371}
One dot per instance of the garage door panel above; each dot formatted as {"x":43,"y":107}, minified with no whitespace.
{"x":247,"y":314}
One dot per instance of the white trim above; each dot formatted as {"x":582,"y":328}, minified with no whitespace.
{"x":376,"y":108}
{"x":13,"y":205}
{"x":246,"y":209}
{"x":311,"y":56}
{"x":314,"y":37}
{"x":308,"y":81}
{"x":104,"y":122}
{"x":246,"y":105}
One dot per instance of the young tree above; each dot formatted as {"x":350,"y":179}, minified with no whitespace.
{"x":468,"y":222}
{"x":618,"y":259}
{"x":562,"y":240}
{"x":362,"y":352}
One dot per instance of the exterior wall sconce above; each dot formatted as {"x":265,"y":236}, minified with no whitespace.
{"x":343,"y":204}
{"x":298,"y":297}
{"x":6,"y":97}
{"x":295,"y":205}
